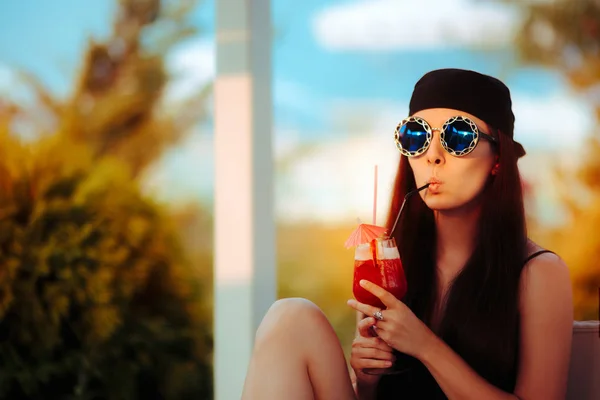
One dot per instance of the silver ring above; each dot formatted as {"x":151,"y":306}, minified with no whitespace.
{"x":378,"y":315}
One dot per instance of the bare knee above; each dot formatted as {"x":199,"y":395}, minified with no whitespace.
{"x":295,"y":306}
{"x":288,"y":317}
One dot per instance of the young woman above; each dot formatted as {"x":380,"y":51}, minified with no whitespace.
{"x":488,"y":313}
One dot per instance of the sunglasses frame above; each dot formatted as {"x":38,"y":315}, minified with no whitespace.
{"x":429,"y":130}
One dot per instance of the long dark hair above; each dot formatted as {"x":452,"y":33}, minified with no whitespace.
{"x":480,"y":320}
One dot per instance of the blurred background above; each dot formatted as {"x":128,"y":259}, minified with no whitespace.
{"x":106,"y":166}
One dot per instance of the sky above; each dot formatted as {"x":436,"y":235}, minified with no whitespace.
{"x":343,"y":71}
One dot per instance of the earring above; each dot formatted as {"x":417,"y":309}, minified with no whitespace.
{"x":495,"y":169}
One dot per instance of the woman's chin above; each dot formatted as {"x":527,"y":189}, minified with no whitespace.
{"x":446,"y":203}
{"x":438,"y":203}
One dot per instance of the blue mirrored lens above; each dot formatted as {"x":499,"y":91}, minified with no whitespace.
{"x":459,"y":136}
{"x":413,"y":136}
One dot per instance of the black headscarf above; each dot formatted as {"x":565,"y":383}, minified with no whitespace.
{"x":480,"y":95}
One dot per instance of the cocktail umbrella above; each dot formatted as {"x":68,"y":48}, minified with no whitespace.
{"x":364,"y":233}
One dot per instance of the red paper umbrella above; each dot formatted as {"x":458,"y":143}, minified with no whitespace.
{"x":364,"y":234}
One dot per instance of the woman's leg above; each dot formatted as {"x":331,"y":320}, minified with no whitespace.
{"x":297,"y":355}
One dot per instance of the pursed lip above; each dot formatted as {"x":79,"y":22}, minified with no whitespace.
{"x":434,"y":181}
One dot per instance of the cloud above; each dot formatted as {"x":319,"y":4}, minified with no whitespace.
{"x":335,"y":181}
{"x":186,"y":172}
{"x":14,"y":88}
{"x":192,"y":66}
{"x":387,"y":25}
{"x":557,"y":122}
{"x":6,"y":76}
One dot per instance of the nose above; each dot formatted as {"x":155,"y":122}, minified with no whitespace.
{"x":435,"y":153}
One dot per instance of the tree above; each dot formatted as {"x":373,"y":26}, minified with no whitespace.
{"x":565,"y":36}
{"x":97,"y":295}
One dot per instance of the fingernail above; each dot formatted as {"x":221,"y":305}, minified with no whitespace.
{"x":388,"y":363}
{"x":371,"y":320}
{"x":363,"y":282}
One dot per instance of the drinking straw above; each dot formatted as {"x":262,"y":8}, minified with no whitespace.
{"x":408,"y":195}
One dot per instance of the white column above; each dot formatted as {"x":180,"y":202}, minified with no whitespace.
{"x":244,"y":232}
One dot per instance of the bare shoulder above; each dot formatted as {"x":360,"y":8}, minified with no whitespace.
{"x":545,"y":279}
{"x":545,"y":269}
{"x":546,"y":265}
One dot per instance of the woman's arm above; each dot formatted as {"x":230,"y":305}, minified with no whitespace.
{"x":545,"y":341}
{"x":455,"y":377}
{"x":546,"y":329}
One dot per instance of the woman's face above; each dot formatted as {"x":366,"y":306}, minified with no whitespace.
{"x":456,"y":181}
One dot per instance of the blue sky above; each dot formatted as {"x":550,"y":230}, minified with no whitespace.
{"x":342,"y":69}
{"x":327,"y":74}
{"x":47,"y":38}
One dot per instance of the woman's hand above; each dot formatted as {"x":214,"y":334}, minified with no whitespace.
{"x":369,"y":352}
{"x":399,"y":328}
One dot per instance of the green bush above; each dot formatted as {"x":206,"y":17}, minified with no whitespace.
{"x":95,"y":300}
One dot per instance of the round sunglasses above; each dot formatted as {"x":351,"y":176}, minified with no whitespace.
{"x":459,"y":136}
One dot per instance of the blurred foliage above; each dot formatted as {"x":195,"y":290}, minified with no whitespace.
{"x":313,"y":263}
{"x":104,"y":293}
{"x":564,"y":35}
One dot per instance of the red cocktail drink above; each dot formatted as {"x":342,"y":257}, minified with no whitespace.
{"x":378,"y":262}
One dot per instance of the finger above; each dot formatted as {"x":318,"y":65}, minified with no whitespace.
{"x":369,"y":363}
{"x":364,"y":327}
{"x":382,"y":345}
{"x":363,"y":308}
{"x":386,"y":297}
{"x":373,"y":342}
{"x":382,"y":334}
{"x":375,"y":354}
{"x":378,"y":371}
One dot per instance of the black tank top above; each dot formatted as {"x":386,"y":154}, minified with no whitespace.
{"x":417,"y":382}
